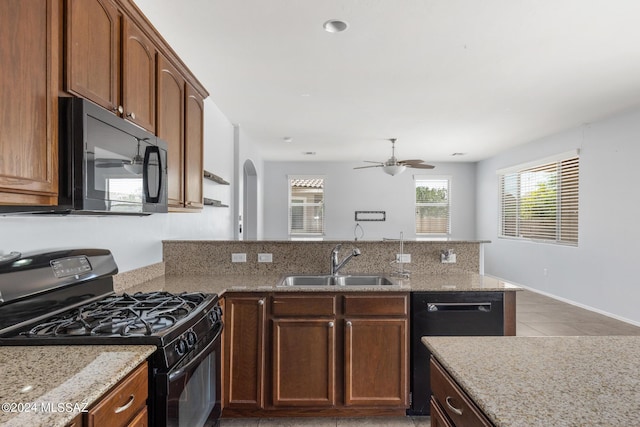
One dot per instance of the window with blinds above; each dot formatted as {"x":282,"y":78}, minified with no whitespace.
{"x":433,"y":214}
{"x":306,"y":206}
{"x":540,"y":202}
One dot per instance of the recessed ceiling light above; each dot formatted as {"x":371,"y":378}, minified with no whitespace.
{"x":335,"y":26}
{"x":309,"y":153}
{"x":458,"y":154}
{"x":287,"y":139}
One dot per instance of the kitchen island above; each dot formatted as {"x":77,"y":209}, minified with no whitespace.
{"x":49,"y":386}
{"x":546,"y":381}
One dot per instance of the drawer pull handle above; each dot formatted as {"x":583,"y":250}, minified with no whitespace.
{"x":453,"y":408}
{"x":126,"y":406}
{"x":261,"y":302}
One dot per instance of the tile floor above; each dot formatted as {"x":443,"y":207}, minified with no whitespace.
{"x":536,"y":314}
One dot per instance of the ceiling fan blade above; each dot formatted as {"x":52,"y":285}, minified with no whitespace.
{"x":370,"y":161}
{"x":420,"y":166}
{"x":412,"y":161}
{"x":365,"y":167}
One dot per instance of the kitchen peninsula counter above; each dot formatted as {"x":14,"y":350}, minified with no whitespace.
{"x":48,"y":386}
{"x":546,"y":381}
{"x":219,"y":284}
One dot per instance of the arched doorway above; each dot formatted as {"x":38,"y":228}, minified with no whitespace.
{"x":250,"y":201}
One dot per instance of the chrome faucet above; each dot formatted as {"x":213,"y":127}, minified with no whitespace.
{"x":336,"y":265}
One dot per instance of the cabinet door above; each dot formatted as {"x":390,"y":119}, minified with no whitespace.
{"x":303,"y":352}
{"x":28,"y":95}
{"x":93,"y":51}
{"x":138,"y":77}
{"x":194,"y":139}
{"x":376,"y":356}
{"x":244,"y":336}
{"x":170,"y":108}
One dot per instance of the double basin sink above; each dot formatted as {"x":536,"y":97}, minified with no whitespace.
{"x":329,"y":280}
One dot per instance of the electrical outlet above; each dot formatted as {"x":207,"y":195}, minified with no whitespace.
{"x":451,"y":259}
{"x":265,"y":258}
{"x":404,"y":258}
{"x":238,"y":257}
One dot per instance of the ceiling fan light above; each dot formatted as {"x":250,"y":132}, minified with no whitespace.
{"x":393,"y":169}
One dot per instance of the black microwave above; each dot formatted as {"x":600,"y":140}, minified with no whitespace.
{"x":107,"y":165}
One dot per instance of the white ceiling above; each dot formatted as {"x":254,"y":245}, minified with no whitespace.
{"x":442,"y":76}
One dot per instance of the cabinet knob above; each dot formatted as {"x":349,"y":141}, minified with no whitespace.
{"x":260,"y":302}
{"x":349,"y":324}
{"x":331,"y":324}
{"x":118,"y":109}
{"x":131,"y":115}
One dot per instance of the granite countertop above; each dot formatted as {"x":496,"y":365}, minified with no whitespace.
{"x":547,"y":381}
{"x":50,"y":385}
{"x":220,"y":284}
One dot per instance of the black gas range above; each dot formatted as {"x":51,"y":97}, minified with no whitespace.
{"x":66,"y":297}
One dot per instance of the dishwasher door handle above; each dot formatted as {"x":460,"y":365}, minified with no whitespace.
{"x":484,"y":307}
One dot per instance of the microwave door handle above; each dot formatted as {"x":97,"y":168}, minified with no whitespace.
{"x":145,"y":174}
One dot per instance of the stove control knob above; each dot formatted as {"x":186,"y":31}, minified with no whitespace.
{"x":181,"y":346}
{"x":191,"y":338}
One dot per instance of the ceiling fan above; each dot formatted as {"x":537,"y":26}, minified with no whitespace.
{"x":394,"y":166}
{"x":134,"y":166}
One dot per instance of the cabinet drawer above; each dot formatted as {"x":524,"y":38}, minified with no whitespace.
{"x":301,"y":305}
{"x":455,"y":403}
{"x":123,"y":402}
{"x":438,"y":418}
{"x":374,"y":305}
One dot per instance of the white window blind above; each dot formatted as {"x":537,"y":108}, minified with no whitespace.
{"x":541,"y":202}
{"x":306,"y":206}
{"x":433,"y":214}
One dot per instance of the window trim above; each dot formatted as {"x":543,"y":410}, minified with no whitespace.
{"x":449,"y":180}
{"x":523,"y":167}
{"x":297,"y":235}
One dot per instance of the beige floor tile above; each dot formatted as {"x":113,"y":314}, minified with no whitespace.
{"x":297,"y":422}
{"x":376,"y":422}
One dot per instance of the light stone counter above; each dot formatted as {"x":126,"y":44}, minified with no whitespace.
{"x":547,"y":381}
{"x":50,"y":385}
{"x":220,"y":284}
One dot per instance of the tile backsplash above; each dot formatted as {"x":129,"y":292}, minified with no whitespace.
{"x":200,"y":257}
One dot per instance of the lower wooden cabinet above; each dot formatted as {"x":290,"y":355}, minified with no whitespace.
{"x":303,"y":350}
{"x":244,"y":351}
{"x":329,"y":353}
{"x":125,"y":404}
{"x":452,"y":405}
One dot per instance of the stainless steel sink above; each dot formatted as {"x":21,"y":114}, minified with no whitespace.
{"x":307,"y":281}
{"x":363,"y":281}
{"x":327,"y":280}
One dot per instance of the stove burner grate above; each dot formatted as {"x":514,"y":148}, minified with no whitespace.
{"x":125,"y":315}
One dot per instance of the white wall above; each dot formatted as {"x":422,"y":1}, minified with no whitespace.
{"x":601,"y":272}
{"x":348,"y":190}
{"x":137,"y":241}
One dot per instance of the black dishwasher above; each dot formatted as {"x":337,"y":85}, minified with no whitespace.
{"x":447,"y":314}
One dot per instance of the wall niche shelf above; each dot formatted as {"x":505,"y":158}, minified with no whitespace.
{"x":214,"y":203}
{"x":215,"y":178}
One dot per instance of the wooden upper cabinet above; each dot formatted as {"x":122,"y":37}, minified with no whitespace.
{"x":28,"y":95}
{"x":93,"y":51}
{"x":110,"y":61}
{"x":170,"y":126}
{"x":194,"y":141}
{"x":138,"y":77}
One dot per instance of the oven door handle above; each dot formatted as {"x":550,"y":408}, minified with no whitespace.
{"x":177,"y":373}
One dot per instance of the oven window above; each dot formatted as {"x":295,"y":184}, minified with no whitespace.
{"x":199,"y":395}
